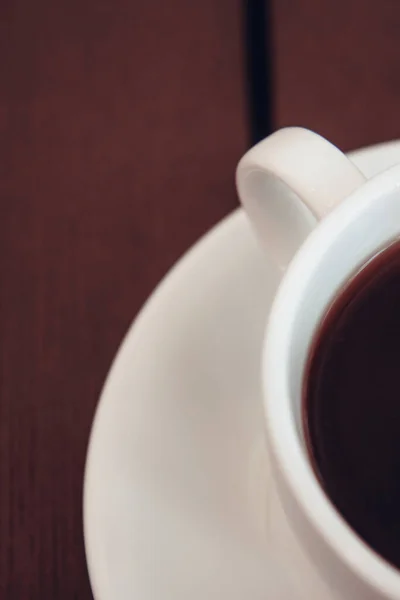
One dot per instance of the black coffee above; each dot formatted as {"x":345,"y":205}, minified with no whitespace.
{"x":352,"y":403}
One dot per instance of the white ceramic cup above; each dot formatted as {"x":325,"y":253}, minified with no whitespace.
{"x":288,"y":184}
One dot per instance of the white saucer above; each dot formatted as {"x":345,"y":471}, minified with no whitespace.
{"x":176,"y":485}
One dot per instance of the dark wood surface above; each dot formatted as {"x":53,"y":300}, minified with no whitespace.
{"x":337,"y":68}
{"x":120,"y":126}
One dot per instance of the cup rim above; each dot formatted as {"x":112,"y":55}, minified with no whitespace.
{"x":282,"y":432}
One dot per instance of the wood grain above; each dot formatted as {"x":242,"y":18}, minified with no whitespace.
{"x":120,"y":126}
{"x":336,"y":68}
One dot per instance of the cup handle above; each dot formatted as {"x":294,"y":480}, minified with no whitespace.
{"x":288,"y":182}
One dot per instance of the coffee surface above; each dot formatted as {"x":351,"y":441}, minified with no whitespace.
{"x":351,"y":403}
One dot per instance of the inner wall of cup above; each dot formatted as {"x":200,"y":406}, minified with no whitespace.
{"x":337,"y":262}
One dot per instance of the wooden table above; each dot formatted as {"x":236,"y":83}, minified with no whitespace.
{"x":337,"y":68}
{"x":120,"y":126}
